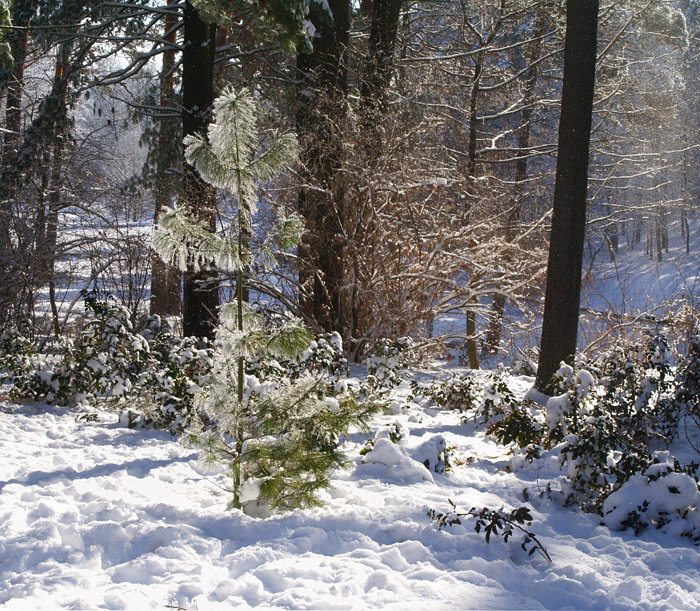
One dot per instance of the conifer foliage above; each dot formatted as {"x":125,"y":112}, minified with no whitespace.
{"x":275,"y":430}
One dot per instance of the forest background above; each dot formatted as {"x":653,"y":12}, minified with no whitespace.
{"x":427,"y":136}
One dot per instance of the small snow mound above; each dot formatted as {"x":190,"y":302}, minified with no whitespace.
{"x":386,"y":453}
{"x":401,"y":466}
{"x":660,"y":493}
{"x":433,"y":454}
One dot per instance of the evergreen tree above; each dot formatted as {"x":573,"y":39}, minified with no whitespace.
{"x":278,"y":439}
{"x":225,"y":160}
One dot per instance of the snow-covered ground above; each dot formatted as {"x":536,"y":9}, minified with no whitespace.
{"x":635,"y":282}
{"x":95,"y":515}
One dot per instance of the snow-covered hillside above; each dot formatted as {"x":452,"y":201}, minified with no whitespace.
{"x":96,"y":515}
{"x":635,"y":282}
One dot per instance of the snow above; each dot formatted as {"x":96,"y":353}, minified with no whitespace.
{"x":634,"y":282}
{"x":557,"y":407}
{"x":658,"y":492}
{"x":332,"y":403}
{"x":98,"y":515}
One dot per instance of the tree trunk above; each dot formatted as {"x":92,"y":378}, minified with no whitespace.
{"x":664,"y":229}
{"x":22,"y":11}
{"x":562,"y":297}
{"x":166,"y":280}
{"x":383,"y":32}
{"x":471,"y":345}
{"x":201,"y":292}
{"x":13,"y":107}
{"x":18,"y":40}
{"x":321,"y":113}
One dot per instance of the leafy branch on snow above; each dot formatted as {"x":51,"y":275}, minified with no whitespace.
{"x":495,"y":522}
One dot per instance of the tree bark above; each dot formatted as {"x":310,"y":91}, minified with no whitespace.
{"x":18,"y":40}
{"x":47,"y":259}
{"x":321,"y":113}
{"x":201,"y":291}
{"x":562,"y":297}
{"x":166,"y":280}
{"x":383,"y":32}
{"x":470,"y":344}
{"x":22,"y":11}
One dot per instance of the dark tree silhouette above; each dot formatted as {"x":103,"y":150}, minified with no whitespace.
{"x":562,"y":297}
{"x":321,"y":114}
{"x":166,"y":279}
{"x":201,"y":294}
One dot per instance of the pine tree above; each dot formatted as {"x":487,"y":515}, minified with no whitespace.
{"x":277,"y":435}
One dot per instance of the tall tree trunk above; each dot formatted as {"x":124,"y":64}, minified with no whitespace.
{"x":13,"y":106}
{"x":383,"y":32}
{"x":22,"y":11}
{"x":664,"y":229}
{"x":562,"y":297}
{"x":321,"y":112}
{"x":48,"y":260}
{"x":166,"y":280}
{"x":471,"y":345}
{"x":201,"y":289}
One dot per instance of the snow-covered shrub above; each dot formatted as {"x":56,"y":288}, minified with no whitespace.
{"x":323,"y":354}
{"x":153,"y":374}
{"x":494,"y":404}
{"x":687,"y":381}
{"x":508,"y":420}
{"x":18,"y":363}
{"x":385,"y":368}
{"x":599,"y":457}
{"x":178,"y":369}
{"x":497,"y":398}
{"x":326,"y":354}
{"x":459,"y":393}
{"x":435,"y":454}
{"x":661,"y":497}
{"x":637,"y":388}
{"x":575,"y":394}
{"x":613,"y":426}
{"x":519,"y":424}
{"x":394,"y":432}
{"x":106,"y":361}
{"x":22,"y":366}
{"x":14,"y":342}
